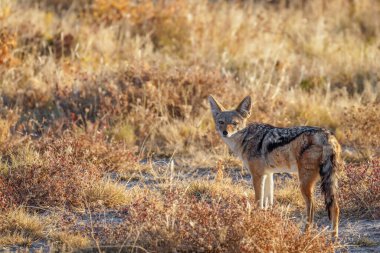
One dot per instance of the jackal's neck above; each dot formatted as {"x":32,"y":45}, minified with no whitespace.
{"x":234,"y":143}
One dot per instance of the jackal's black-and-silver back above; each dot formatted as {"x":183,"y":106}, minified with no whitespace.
{"x":260,"y":139}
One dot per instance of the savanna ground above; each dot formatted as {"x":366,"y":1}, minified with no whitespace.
{"x":107,"y":142}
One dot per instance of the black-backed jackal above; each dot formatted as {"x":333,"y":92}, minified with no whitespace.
{"x":312,"y":152}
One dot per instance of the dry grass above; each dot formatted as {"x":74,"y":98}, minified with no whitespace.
{"x":90,"y":88}
{"x":202,"y":189}
{"x":71,"y":241}
{"x":18,"y":227}
{"x":106,"y":193}
{"x":288,"y":194}
{"x":22,"y":228}
{"x":137,"y":73}
{"x":15,"y":239}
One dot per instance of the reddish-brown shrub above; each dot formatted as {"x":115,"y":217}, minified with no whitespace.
{"x":56,"y":171}
{"x":179,"y":222}
{"x":360,"y":189}
{"x":7,"y":195}
{"x":58,"y":181}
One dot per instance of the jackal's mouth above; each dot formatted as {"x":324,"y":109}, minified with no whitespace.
{"x":226,"y":134}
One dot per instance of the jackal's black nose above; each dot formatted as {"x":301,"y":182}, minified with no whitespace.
{"x":225,"y":133}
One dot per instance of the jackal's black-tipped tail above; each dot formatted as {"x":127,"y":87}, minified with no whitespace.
{"x":329,"y":166}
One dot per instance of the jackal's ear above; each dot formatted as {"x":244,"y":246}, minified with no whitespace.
{"x":216,"y":107}
{"x":244,"y":108}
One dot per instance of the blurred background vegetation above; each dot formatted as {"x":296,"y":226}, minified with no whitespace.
{"x":140,"y":70}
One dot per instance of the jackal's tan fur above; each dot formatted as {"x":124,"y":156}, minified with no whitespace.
{"x":312,"y":152}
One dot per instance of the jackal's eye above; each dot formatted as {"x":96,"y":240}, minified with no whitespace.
{"x":221,"y":122}
{"x":234,"y":123}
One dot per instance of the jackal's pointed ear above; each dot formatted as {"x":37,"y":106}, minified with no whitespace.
{"x":244,"y":108}
{"x":216,"y":107}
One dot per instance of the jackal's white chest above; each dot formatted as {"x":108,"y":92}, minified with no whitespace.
{"x":234,"y":146}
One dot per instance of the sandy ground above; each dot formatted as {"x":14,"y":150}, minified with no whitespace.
{"x":361,"y":235}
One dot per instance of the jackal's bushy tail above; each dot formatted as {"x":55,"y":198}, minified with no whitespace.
{"x":331,"y":161}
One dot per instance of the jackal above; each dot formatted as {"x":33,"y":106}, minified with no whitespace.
{"x":312,"y":152}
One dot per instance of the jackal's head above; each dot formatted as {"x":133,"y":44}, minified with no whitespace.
{"x":227,"y":122}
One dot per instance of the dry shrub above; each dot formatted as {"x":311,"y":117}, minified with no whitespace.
{"x":56,"y":171}
{"x":30,"y":42}
{"x":165,"y":22}
{"x":109,"y":11}
{"x":361,"y":128}
{"x":360,"y":189}
{"x":62,"y":5}
{"x":176,"y":93}
{"x":5,"y":127}
{"x":164,"y":103}
{"x":234,"y":50}
{"x":58,"y":181}
{"x":7,"y":195}
{"x":90,"y":148}
{"x":61,"y":45}
{"x":7,"y":44}
{"x":130,"y":105}
{"x":176,"y":222}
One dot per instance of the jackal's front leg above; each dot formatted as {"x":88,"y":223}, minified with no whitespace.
{"x":259,"y":186}
{"x":268,"y":190}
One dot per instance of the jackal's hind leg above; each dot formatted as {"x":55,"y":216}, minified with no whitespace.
{"x":308,"y":165}
{"x":307,"y":184}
